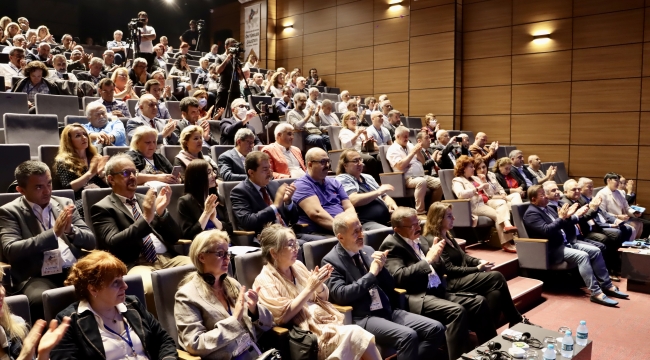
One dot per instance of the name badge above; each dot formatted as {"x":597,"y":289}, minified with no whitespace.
{"x":591,"y":222}
{"x":193,"y":41}
{"x":52,"y":262}
{"x":376,"y":300}
{"x":243,"y":344}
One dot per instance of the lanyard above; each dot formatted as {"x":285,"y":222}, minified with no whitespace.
{"x":28,"y":90}
{"x":17,"y":70}
{"x":380,"y":133}
{"x":405,"y":150}
{"x":128,"y":335}
{"x":365,"y":185}
{"x":45,"y":228}
{"x":150,"y":163}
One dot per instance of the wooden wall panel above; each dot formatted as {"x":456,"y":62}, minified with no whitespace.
{"x":325,"y":63}
{"x":644,"y":171}
{"x":497,"y":127}
{"x":320,"y":20}
{"x":357,"y":83}
{"x":610,"y":62}
{"x":421,"y":4}
{"x":400,"y":101}
{"x":392,"y":55}
{"x":591,"y":7}
{"x":320,"y":42}
{"x":526,"y":11}
{"x":317,"y":5}
{"x":354,"y":13}
{"x":432,"y":20}
{"x":438,"y":101}
{"x":559,"y":30}
{"x":646,"y":57}
{"x":608,"y":29}
{"x":486,"y":43}
{"x":540,"y":129}
{"x":354,"y":60}
{"x":391,"y":30}
{"x":392,"y":80}
{"x":541,"y":98}
{"x":596,"y":160}
{"x":289,"y":7}
{"x":596,"y":129}
{"x":487,"y":15}
{"x":487,"y":72}
{"x":546,"y":152}
{"x":384,"y":9}
{"x":644,"y":132}
{"x":492,"y":100}
{"x":542,"y":67}
{"x":289,"y":48}
{"x":352,"y":37}
{"x":645,"y":94}
{"x":606,"y":95}
{"x":643,"y":192}
{"x":282,"y":32}
{"x":421,"y":47}
{"x":435,"y":74}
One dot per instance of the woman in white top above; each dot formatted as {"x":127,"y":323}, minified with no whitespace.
{"x":352,"y":136}
{"x":292,"y":82}
{"x":277,"y":82}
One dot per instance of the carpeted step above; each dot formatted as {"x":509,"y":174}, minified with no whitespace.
{"x":526,"y":292}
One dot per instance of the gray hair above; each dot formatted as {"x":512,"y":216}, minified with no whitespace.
{"x":109,"y":51}
{"x":64,"y":36}
{"x":567,"y":184}
{"x":114,"y":160}
{"x":96,"y":60}
{"x":282,"y":127}
{"x":514,"y":153}
{"x":341,"y":222}
{"x":92,"y":107}
{"x":584,"y":181}
{"x":376,"y":113}
{"x":43,"y":44}
{"x":400,"y":214}
{"x":256,"y":75}
{"x":118,"y":32}
{"x":139,"y":133}
{"x":58,"y":56}
{"x":139,"y":61}
{"x":273,"y":237}
{"x":235,"y":103}
{"x":548,"y":184}
{"x":313,"y":90}
{"x":401,"y":130}
{"x":19,"y":37}
{"x":146,"y":97}
{"x":243,"y":134}
{"x":202,"y":59}
{"x":29,"y":168}
{"x":13,"y":51}
{"x":300,"y":97}
{"x":326,"y":102}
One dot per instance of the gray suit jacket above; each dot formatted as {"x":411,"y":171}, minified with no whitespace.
{"x":138,"y":121}
{"x":204,"y":326}
{"x":24,"y":241}
{"x":231,"y":168}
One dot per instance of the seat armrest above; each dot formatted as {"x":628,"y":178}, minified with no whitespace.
{"x":185,"y":242}
{"x":532,"y":253}
{"x":397,"y":180}
{"x":462,"y":210}
{"x":400,"y":291}
{"x":347,"y":313}
{"x":182,"y":246}
{"x":243,"y":238}
{"x":184,"y":355}
{"x":280,"y":331}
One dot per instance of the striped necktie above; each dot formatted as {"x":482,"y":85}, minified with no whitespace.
{"x":148,"y":250}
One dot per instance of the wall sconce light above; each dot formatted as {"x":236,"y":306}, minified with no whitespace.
{"x":288,"y":26}
{"x":541,"y":38}
{"x":395,"y":4}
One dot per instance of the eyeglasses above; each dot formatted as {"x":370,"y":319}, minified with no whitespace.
{"x":244,"y":107}
{"x":356,"y":161}
{"x":412,"y":226}
{"x":126,"y":173}
{"x":353,"y":119}
{"x":293,"y":245}
{"x":323,"y":162}
{"x":220,"y":254}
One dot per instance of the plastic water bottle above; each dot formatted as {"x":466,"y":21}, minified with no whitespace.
{"x":582,"y":333}
{"x":549,"y":353}
{"x":567,"y":345}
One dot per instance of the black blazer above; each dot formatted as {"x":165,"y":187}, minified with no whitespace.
{"x":411,"y":273}
{"x":23,"y":241}
{"x":189,"y":212}
{"x":348,"y":288}
{"x":583,"y":221}
{"x":515,"y":174}
{"x":83,"y":341}
{"x":540,"y":226}
{"x":160,"y":162}
{"x":457,"y":262}
{"x":120,"y":235}
{"x":250,"y":210}
{"x":229,"y":127}
{"x":445,"y":160}
{"x":231,"y":168}
{"x":85,"y":75}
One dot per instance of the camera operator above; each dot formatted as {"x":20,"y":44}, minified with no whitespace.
{"x":190,"y":36}
{"x":228,"y":82}
{"x":147,"y":35}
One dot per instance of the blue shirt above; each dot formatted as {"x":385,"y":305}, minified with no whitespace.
{"x":382,"y":136}
{"x":115,"y":105}
{"x":283,"y":107}
{"x":330,"y":195}
{"x":115,"y":128}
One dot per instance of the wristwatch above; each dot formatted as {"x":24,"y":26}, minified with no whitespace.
{"x":72,"y":233}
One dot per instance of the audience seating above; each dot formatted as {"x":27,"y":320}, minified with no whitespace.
{"x":334,"y":155}
{"x":60,"y":105}
{"x":88,"y":99}
{"x":217,"y":150}
{"x":55,"y":300}
{"x":72,"y":119}
{"x":316,"y":250}
{"x":13,"y":103}
{"x":19,"y":306}
{"x":215,"y":129}
{"x":412,"y":122}
{"x":170,"y":151}
{"x":374,"y":238}
{"x":132,"y":104}
{"x":331,"y":97}
{"x":11,"y":155}
{"x":270,"y":131}
{"x":333,"y":90}
{"x":561,"y":175}
{"x":248,"y":266}
{"x":240,"y":237}
{"x":46,"y":154}
{"x":174,"y":108}
{"x":334,"y":132}
{"x":504,"y":150}
{"x":394,"y":178}
{"x":34,"y":130}
{"x":165,"y":283}
{"x":114,"y":150}
{"x":178,"y":190}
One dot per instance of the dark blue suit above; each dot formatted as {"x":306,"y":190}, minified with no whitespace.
{"x":231,"y":167}
{"x":413,"y":336}
{"x":250,"y":210}
{"x":229,"y":127}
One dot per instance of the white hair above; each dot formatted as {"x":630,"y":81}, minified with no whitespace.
{"x":548,"y":184}
{"x":243,"y":133}
{"x":282,"y":128}
{"x":96,"y":60}
{"x":440,"y":133}
{"x":515,"y":153}
{"x":237,"y":102}
{"x":313,"y":90}
{"x":401,"y":130}
{"x":202,"y":59}
{"x":299,"y":96}
{"x":118,"y":32}
{"x":584,"y":181}
{"x":109,"y":51}
{"x":92,"y":107}
{"x":43,"y":44}
{"x":376,"y":113}
{"x":568,"y":183}
{"x":139,"y":61}
{"x":18,"y":37}
{"x":257,"y":75}
{"x":146,"y":97}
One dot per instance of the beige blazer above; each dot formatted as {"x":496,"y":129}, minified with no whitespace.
{"x":206,"y":329}
{"x":495,"y":188}
{"x":614,"y":202}
{"x":464,"y":189}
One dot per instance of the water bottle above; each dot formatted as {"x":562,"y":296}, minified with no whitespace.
{"x":549,"y":353}
{"x":567,"y":345}
{"x":582,"y":334}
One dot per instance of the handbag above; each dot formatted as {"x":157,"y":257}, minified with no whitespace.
{"x":270,"y":355}
{"x":303,"y":344}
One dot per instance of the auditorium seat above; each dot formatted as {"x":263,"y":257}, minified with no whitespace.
{"x":13,"y":103}
{"x":46,"y":154}
{"x":215,"y":129}
{"x":178,"y":190}
{"x":412,"y":122}
{"x":132,"y":104}
{"x":334,"y":156}
{"x":11,"y":155}
{"x":114,"y":150}
{"x":87,"y":100}
{"x":374,"y":238}
{"x":395,"y":178}
{"x":331,"y":97}
{"x":561,"y":175}
{"x":174,"y":108}
{"x":217,"y":150}
{"x":504,"y":150}
{"x":240,"y":237}
{"x":316,"y":250}
{"x":170,"y":151}
{"x":270,"y":131}
{"x":71,"y":119}
{"x":333,"y":90}
{"x":34,"y":130}
{"x":165,"y":284}
{"x":19,"y":306}
{"x":56,"y":300}
{"x":60,"y":105}
{"x":334,"y":132}
{"x":248,"y":266}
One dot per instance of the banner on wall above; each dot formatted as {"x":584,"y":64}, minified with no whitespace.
{"x":252,"y":33}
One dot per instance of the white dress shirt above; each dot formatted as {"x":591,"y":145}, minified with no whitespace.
{"x":46,"y":220}
{"x":295,"y":171}
{"x":157,"y":244}
{"x":396,"y":153}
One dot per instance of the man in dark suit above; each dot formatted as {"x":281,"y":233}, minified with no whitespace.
{"x":94,"y":73}
{"x":360,"y":280}
{"x":519,"y":172}
{"x":190,"y":113}
{"x":231,"y":162}
{"x":449,"y":150}
{"x":256,"y":85}
{"x":543,"y":222}
{"x":241,"y":116}
{"x":41,"y":235}
{"x":149,"y":109}
{"x":43,"y":55}
{"x":137,"y":229}
{"x":419,"y":270}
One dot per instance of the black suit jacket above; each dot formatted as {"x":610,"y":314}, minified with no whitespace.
{"x":30,"y":56}
{"x":445,"y":160}
{"x":229,"y":127}
{"x":250,"y":210}
{"x":122,"y":236}
{"x":231,"y":168}
{"x":189,"y":212}
{"x":583,"y":221}
{"x":24,"y":241}
{"x":349,"y":288}
{"x":85,"y":75}
{"x":83,"y":340}
{"x":411,"y":273}
{"x":182,"y":124}
{"x":540,"y":226}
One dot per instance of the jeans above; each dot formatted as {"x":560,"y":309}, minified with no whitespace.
{"x":591,"y":266}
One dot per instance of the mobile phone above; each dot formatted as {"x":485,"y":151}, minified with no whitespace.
{"x":459,"y":138}
{"x":66,"y":77}
{"x":176,"y":171}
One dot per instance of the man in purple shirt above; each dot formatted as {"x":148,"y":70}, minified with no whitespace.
{"x":319,"y":198}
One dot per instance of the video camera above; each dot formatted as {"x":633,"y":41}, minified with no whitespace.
{"x":236,"y":49}
{"x":200,"y":24}
{"x":135,"y":23}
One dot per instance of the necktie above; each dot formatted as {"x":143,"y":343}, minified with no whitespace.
{"x":153,"y":124}
{"x":267,"y":200}
{"x":359,"y":264}
{"x":148,"y":250}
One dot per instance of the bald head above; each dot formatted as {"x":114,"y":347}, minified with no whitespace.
{"x":318,"y":164}
{"x":481,"y":139}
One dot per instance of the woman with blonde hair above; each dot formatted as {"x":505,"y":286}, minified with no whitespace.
{"x":216,"y":317}
{"x":12,"y":29}
{"x":292,"y":79}
{"x":78,"y":166}
{"x":150,"y":165}
{"x":298,"y":297}
{"x":192,"y":144}
{"x":44,"y":35}
{"x":351,"y":135}
{"x":123,"y":85}
{"x":277,"y":83}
